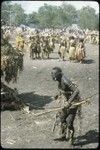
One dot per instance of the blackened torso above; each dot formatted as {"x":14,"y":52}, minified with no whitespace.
{"x":65,"y":84}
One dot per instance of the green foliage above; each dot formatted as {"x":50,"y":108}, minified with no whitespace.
{"x":32,"y":18}
{"x":19,"y":14}
{"x":50,"y":16}
{"x":57,"y":16}
{"x":88,"y":18}
{"x":12,"y":14}
{"x":69,"y":14}
{"x":5,"y":12}
{"x":46,"y":15}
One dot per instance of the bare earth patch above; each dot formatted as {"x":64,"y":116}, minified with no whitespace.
{"x":22,"y":130}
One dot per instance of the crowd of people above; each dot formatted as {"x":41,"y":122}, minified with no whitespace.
{"x":41,"y":43}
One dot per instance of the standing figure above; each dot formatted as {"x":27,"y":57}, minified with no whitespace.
{"x":20,"y":42}
{"x":80,"y":51}
{"x":72,"y":48}
{"x":62,"y":50}
{"x":67,"y":114}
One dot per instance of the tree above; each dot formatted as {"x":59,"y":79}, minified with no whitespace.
{"x":12,"y":14}
{"x":5,"y":12}
{"x":61,"y":16}
{"x":50,"y":16}
{"x":69,"y":14}
{"x":97,"y":21}
{"x":47,"y":15}
{"x":88,"y":18}
{"x":20,"y":16}
{"x":57,"y":19}
{"x":32,"y":19}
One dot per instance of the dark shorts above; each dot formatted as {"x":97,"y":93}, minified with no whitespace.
{"x":71,"y":116}
{"x":68,"y":116}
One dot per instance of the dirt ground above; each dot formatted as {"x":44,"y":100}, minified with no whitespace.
{"x":20,"y":129}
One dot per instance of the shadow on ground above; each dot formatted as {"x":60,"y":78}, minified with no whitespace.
{"x":88,"y":61}
{"x":91,"y":136}
{"x":50,"y":58}
{"x":35,"y":101}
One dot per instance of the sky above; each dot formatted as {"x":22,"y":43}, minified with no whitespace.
{"x":30,"y":6}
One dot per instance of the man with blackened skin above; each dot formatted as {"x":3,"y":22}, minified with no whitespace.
{"x":67,"y":114}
